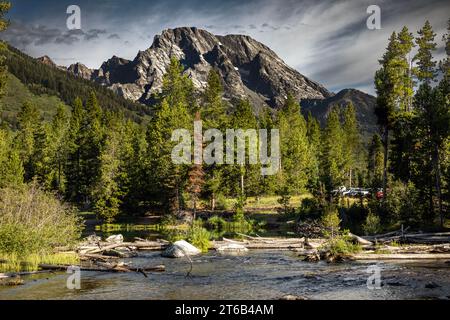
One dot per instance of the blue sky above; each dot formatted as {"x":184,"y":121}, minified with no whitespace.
{"x":327,"y":41}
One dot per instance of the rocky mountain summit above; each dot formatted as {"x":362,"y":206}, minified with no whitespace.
{"x":248,"y":68}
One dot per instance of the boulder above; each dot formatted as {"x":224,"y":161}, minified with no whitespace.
{"x":180,"y":249}
{"x":117,"y":238}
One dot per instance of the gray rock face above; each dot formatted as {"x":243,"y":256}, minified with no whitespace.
{"x":81,"y":71}
{"x":248,"y":68}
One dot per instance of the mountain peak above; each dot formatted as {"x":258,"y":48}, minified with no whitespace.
{"x":46,"y":60}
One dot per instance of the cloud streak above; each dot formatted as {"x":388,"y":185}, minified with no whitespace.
{"x":326,"y":40}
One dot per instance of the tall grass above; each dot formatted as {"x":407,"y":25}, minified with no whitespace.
{"x":34,"y":222}
{"x":14,"y":263}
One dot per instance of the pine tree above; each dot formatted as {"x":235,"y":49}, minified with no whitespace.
{"x":433,"y":113}
{"x":85,"y":154}
{"x":11,"y":168}
{"x":375,"y":162}
{"x":388,"y":85}
{"x":4,"y":8}
{"x":59,"y":148}
{"x":295,"y":152}
{"x":333,"y":160}
{"x":72,"y":167}
{"x":214,"y":109}
{"x":314,"y":139}
{"x":177,"y":88}
{"x":113,"y":181}
{"x":214,"y":115}
{"x":29,"y":126}
{"x":166,"y":179}
{"x":406,"y":43}
{"x":426,"y":67}
{"x":245,"y":176}
{"x":352,"y":143}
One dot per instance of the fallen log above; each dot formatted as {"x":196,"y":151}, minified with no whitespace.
{"x":19,"y":274}
{"x":401,"y":256}
{"x":141,"y":245}
{"x":159,"y":268}
{"x":360,"y":240}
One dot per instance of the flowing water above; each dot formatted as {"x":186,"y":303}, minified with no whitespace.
{"x":254,"y":275}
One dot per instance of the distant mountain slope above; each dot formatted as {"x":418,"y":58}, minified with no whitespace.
{"x":16,"y":93}
{"x":248,"y":68}
{"x":43,"y":77}
{"x":364,"y":105}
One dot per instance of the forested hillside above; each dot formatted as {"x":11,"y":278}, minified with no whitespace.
{"x":16,"y":94}
{"x":41,"y":79}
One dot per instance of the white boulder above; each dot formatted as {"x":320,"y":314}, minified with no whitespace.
{"x":180,"y":249}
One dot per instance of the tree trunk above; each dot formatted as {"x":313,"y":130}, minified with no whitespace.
{"x":350,"y":177}
{"x":438,"y":182}
{"x":385,"y":161}
{"x":213,"y":201}
{"x":242,"y":184}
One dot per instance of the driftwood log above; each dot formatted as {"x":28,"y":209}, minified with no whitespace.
{"x":401,"y":256}
{"x":105,"y":268}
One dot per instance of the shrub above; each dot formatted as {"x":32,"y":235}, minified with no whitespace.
{"x":331,"y":221}
{"x":372,"y":224}
{"x":341,"y":246}
{"x":199,"y":237}
{"x":404,"y":204}
{"x":239,"y":214}
{"x":310,"y":208}
{"x":216,"y":222}
{"x":34,"y":221}
{"x":222,"y":203}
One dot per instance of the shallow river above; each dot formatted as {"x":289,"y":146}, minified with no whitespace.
{"x":256,"y":275}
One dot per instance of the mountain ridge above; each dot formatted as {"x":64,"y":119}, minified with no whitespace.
{"x":245,"y":65}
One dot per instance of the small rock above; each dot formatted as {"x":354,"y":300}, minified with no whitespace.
{"x":180,"y":249}
{"x":432,"y":285}
{"x":93,"y":239}
{"x":313,"y":257}
{"x":117,"y":238}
